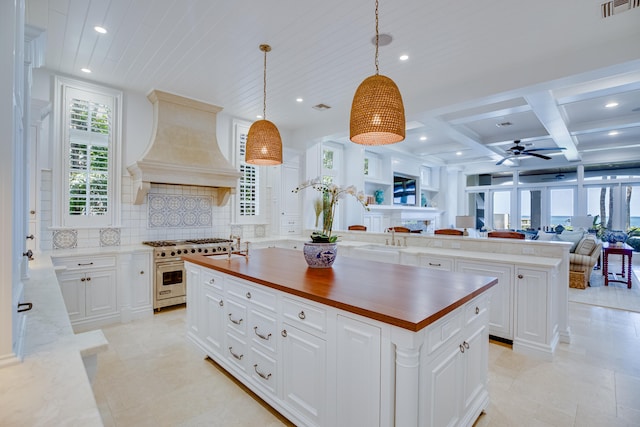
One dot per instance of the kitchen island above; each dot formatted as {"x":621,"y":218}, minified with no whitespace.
{"x":361,"y":343}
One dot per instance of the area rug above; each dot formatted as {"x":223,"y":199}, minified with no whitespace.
{"x":616,"y":295}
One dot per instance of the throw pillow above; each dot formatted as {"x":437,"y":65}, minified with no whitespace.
{"x":585,"y":246}
{"x":546,"y":237}
{"x":572,"y":237}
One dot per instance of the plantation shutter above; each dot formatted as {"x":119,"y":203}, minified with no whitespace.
{"x":249,"y":182}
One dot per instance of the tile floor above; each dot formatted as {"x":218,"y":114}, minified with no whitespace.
{"x":151,"y":376}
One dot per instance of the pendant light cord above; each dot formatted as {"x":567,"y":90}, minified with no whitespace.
{"x":377,"y":39}
{"x":264,"y":86}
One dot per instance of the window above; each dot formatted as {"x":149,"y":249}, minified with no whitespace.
{"x":501,"y":208}
{"x":249,"y":208}
{"x":88,"y":149}
{"x":561,"y":206}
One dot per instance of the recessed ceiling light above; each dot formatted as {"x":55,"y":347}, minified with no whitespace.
{"x":258,"y":116}
{"x":299,"y":99}
{"x":613,"y":133}
{"x":611,"y":105}
{"x":423,"y":138}
{"x":85,"y":70}
{"x":100,"y":29}
{"x":404,"y":57}
{"x":458,"y":153}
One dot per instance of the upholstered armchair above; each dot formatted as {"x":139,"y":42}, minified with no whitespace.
{"x":582,"y":261}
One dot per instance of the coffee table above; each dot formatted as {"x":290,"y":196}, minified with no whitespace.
{"x":625,"y":251}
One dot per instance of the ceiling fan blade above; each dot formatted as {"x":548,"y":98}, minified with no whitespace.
{"x":503,"y":160}
{"x":543,"y":149}
{"x":537,"y":155}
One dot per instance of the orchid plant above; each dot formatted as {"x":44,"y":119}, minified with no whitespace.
{"x":331,"y":194}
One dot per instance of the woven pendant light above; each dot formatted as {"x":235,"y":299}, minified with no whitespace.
{"x":377,"y":111}
{"x":264,"y":145}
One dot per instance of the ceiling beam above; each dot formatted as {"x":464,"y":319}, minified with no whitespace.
{"x":546,"y":109}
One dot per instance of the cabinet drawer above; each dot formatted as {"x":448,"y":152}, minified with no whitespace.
{"x":84,"y":263}
{"x":211,"y":279}
{"x":436,"y":263}
{"x":263,"y":370}
{"x":476,"y":309}
{"x":237,"y":351}
{"x":263,"y":330}
{"x":305,"y":315}
{"x":252,"y":294}
{"x":236,"y":315}
{"x":444,"y":330}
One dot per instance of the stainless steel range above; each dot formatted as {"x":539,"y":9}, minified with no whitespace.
{"x":169,"y":283}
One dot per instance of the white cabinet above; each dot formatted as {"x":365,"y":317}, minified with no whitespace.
{"x":536,"y":329}
{"x":358,"y":390}
{"x":140,"y":282}
{"x":436,"y":262}
{"x":456,"y":387}
{"x":304,"y":372}
{"x":89,"y":289}
{"x":501,"y":313}
{"x":290,"y":219}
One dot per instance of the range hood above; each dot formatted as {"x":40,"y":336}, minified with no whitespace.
{"x":183,"y":149}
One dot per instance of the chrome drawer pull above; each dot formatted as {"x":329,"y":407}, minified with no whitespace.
{"x":255,"y":368}
{"x":435,"y":265}
{"x":266,"y":338}
{"x":211,"y":281}
{"x":302,"y":316}
{"x":477,"y":310}
{"x":221,"y":303}
{"x":466,"y":345}
{"x":87,"y":263}
{"x":248,"y":295}
{"x":239,"y":357}
{"x":237,"y":322}
{"x":520,"y":276}
{"x":461,"y":348}
{"x":284,"y":333}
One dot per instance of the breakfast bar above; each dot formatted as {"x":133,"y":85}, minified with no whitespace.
{"x":361,"y":343}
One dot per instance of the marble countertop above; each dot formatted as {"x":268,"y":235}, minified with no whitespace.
{"x":51,"y":386}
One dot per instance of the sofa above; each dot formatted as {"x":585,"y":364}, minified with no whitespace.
{"x":582,"y":260}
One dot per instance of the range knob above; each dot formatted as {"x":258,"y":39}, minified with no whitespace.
{"x":199,"y":249}
{"x":173,"y":253}
{"x":193,"y":251}
{"x":179,"y":251}
{"x":162,"y":254}
{"x":206,"y":251}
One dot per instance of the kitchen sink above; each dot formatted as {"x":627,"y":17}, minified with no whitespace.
{"x":226,"y":256}
{"x":380,"y":248}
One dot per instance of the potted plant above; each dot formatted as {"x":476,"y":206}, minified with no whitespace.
{"x":322,"y":249}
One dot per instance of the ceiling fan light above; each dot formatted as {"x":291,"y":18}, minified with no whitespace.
{"x":377,"y":112}
{"x":264,"y":145}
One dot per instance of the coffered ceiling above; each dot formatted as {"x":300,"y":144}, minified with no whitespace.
{"x":479,"y":75}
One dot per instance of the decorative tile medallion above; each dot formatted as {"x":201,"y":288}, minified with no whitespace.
{"x":172,"y":211}
{"x":65,"y":239}
{"x":109,"y":237}
{"x":260,"y":231}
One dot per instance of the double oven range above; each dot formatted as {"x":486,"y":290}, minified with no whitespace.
{"x":169,"y":280}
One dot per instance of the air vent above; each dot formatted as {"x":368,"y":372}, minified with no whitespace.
{"x":321,"y":107}
{"x":615,"y":7}
{"x":504,"y":124}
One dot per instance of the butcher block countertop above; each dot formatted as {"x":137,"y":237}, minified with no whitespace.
{"x":403,"y":296}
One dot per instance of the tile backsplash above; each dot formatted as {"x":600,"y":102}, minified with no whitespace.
{"x":170,"y":212}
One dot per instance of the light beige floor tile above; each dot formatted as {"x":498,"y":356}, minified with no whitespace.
{"x":151,"y":375}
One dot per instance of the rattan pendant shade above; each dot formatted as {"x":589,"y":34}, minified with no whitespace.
{"x":264,"y":144}
{"x":377,"y":110}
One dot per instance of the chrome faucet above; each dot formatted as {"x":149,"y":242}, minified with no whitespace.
{"x":393,"y":236}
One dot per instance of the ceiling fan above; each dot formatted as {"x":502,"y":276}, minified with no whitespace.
{"x":518,"y":150}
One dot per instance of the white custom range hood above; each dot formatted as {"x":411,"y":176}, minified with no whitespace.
{"x":184,"y":149}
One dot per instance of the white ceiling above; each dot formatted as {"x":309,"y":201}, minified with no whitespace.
{"x":547,"y":67}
